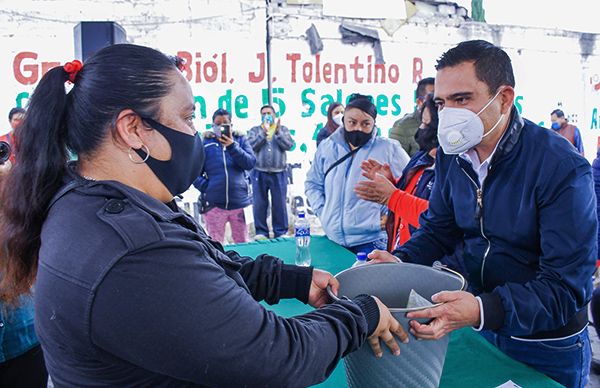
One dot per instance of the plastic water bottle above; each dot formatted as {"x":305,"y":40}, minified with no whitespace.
{"x":361,"y":259}
{"x":302,"y":228}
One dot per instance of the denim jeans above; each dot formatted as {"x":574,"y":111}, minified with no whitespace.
{"x":566,"y":361}
{"x":276,"y":184}
{"x":370,"y":246}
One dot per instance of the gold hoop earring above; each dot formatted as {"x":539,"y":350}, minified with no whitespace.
{"x":146,"y":150}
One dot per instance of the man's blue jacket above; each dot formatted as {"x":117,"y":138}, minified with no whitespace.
{"x":529,"y":233}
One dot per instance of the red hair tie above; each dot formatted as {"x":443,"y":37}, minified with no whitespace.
{"x":72,"y":68}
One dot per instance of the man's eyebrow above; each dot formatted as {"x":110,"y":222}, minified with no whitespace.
{"x":459,"y":95}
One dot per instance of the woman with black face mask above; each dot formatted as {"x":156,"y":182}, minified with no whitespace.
{"x":129,"y":290}
{"x":407,"y":196}
{"x":348,"y":221}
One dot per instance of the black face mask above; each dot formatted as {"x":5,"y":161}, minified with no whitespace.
{"x":357,"y":138}
{"x":187,"y":159}
{"x":426,"y":138}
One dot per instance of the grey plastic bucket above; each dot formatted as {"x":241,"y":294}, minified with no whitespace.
{"x":421,"y":362}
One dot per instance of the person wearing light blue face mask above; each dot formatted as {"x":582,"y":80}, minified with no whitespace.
{"x":270,"y":142}
{"x":522,"y":203}
{"x":570,"y":132}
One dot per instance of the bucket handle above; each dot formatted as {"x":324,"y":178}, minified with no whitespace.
{"x":442,"y":267}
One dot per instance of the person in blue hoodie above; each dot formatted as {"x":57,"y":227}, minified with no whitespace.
{"x":224,"y":185}
{"x":521,"y":198}
{"x":347,"y":220}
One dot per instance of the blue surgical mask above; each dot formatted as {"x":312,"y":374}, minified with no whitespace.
{"x":555,"y":125}
{"x":187,"y":159}
{"x":267,"y":119}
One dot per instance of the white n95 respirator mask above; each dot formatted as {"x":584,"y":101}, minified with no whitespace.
{"x":460,"y":129}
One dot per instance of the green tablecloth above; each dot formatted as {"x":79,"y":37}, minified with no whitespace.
{"x":471,"y":361}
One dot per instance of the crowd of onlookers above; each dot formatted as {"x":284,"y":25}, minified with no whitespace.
{"x":445,"y":185}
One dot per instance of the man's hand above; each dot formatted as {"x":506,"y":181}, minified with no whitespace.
{"x":277,"y":125}
{"x":378,"y":256}
{"x":372,"y":167}
{"x":225,"y":141}
{"x":318,"y":296}
{"x":459,"y":309}
{"x":378,"y":190}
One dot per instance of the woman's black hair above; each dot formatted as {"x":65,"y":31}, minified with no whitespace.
{"x":116,"y":78}
{"x":426,"y":136}
{"x":331,"y":125}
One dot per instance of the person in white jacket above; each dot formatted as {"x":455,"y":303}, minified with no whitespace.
{"x":350,"y":222}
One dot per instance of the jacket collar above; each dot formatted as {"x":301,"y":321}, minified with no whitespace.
{"x":159,"y":210}
{"x":424,"y":159}
{"x":511,"y":136}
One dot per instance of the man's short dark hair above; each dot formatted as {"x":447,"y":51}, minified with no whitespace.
{"x":267,"y":106}
{"x":220,"y":112}
{"x":559,"y":113}
{"x":492,"y":64}
{"x":422,"y":86}
{"x":15,"y":111}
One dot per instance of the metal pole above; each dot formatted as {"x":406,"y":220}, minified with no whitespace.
{"x":268,"y":52}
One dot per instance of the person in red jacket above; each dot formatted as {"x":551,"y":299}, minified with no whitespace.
{"x":406,"y":196}
{"x":15,"y":118}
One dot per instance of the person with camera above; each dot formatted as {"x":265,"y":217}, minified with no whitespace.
{"x":7,"y":157}
{"x":130,"y":291}
{"x":21,"y":357}
{"x":224,"y":185}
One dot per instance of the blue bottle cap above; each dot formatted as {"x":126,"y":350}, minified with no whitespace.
{"x":362,"y":256}
{"x":300,"y":214}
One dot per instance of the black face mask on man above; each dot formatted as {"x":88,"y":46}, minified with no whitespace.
{"x":357,"y":138}
{"x":187,"y":159}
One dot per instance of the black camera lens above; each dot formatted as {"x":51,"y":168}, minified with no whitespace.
{"x":5,"y":151}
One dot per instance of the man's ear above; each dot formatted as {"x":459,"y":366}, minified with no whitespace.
{"x":128,"y":129}
{"x":507,"y":96}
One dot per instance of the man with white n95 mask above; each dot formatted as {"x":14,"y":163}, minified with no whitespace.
{"x":522,"y":201}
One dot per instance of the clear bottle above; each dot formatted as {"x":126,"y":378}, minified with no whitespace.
{"x":361,"y":259}
{"x":302,"y":229}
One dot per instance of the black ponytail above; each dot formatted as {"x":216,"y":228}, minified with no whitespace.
{"x":40,"y":152}
{"x":116,"y":78}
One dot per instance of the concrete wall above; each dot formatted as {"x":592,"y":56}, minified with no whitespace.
{"x":224,"y":39}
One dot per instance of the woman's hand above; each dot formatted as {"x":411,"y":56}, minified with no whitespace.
{"x":318,"y":296}
{"x":386,"y":329}
{"x":372,"y":167}
{"x":225,"y":141}
{"x":378,"y":190}
{"x":5,"y":167}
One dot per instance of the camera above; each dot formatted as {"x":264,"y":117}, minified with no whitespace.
{"x":5,"y":152}
{"x":226,"y":130}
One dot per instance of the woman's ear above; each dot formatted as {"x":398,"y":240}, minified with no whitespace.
{"x":129,"y":128}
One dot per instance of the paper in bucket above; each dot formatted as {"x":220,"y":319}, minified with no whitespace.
{"x":420,"y":363}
